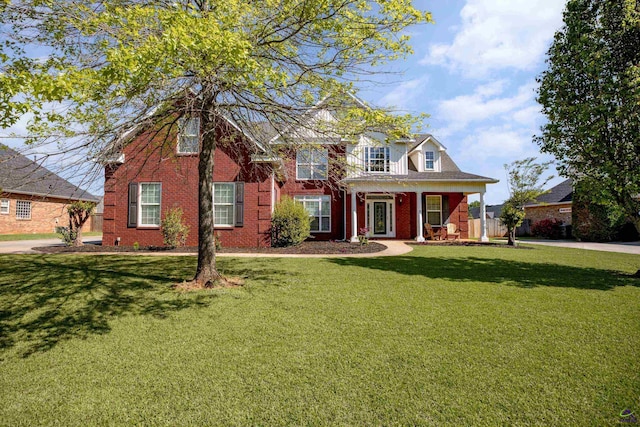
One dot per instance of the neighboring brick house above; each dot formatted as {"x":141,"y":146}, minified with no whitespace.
{"x":32,"y":198}
{"x":391,"y":189}
{"x":555,"y":204}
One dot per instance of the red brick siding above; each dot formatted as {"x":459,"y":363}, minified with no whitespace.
{"x":538,"y":213}
{"x":46,"y":214}
{"x":293,"y":187}
{"x":178,"y":174}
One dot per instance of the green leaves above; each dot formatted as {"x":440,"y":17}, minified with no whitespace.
{"x":591,"y":97}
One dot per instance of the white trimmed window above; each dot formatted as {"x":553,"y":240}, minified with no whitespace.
{"x":319,"y":209}
{"x":312,"y":163}
{"x":23,"y":209}
{"x":150,"y":193}
{"x":434,"y":210}
{"x":429,"y":160}
{"x":4,"y":206}
{"x":189,"y":136}
{"x":376,"y":159}
{"x":224,"y":197}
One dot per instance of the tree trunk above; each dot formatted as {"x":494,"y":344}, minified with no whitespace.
{"x":78,"y":239}
{"x":206,"y":273}
{"x":512,"y":237}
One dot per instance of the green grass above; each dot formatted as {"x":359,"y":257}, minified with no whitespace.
{"x":440,"y":336}
{"x":38,"y":236}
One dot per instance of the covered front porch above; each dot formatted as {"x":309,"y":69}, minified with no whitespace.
{"x":386,"y":212}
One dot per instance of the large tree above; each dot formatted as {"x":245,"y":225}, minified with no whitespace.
{"x":590,"y":94}
{"x":96,"y":69}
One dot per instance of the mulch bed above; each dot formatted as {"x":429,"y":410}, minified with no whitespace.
{"x":305,"y":248}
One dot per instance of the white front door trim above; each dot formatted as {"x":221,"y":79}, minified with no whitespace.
{"x":373,"y":202}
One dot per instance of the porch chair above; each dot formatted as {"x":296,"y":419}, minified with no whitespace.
{"x":452,"y":232}
{"x":430,"y":234}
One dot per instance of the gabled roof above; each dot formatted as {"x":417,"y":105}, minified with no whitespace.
{"x":20,"y":175}
{"x":561,"y":193}
{"x":420,"y":139}
{"x":306,"y":115}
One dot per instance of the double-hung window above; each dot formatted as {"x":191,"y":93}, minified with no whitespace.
{"x":429,"y":160}
{"x":376,"y":159}
{"x":319,"y":209}
{"x":150,"y":193}
{"x":224,"y":198}
{"x":312,"y":163}
{"x":23,"y":209}
{"x":434,"y":210}
{"x":189,"y":135}
{"x":4,"y":206}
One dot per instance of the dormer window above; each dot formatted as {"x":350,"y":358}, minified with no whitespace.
{"x":189,"y":136}
{"x":376,"y":159}
{"x":312,"y":163}
{"x":429,"y":160}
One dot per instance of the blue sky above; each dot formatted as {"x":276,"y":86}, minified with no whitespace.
{"x":473,"y":72}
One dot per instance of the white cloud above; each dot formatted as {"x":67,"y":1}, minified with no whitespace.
{"x":403,"y":95}
{"x":499,"y":34}
{"x":485,"y":104}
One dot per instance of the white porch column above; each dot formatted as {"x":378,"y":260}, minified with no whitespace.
{"x":354,"y":217}
{"x":420,"y":236}
{"x":483,"y":220}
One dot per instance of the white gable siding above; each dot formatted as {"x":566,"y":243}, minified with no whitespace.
{"x":314,"y":130}
{"x":418,"y":157}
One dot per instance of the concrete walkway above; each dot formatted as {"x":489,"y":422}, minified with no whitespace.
{"x":394,"y":247}
{"x":621,"y":247}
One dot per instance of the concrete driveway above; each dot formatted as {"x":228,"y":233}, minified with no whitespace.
{"x":622,"y":247}
{"x":24,"y":246}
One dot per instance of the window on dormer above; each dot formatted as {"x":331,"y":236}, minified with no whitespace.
{"x":312,"y":163}
{"x":376,"y":159}
{"x":429,"y":160}
{"x":189,"y":136}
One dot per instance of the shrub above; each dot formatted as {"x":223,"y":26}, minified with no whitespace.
{"x":363,"y":236}
{"x":547,"y":228}
{"x":174,"y":231}
{"x":290,"y":223}
{"x":67,"y":235}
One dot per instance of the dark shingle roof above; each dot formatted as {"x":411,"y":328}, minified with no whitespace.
{"x":496,"y":210}
{"x":20,"y":175}
{"x":561,"y":193}
{"x":445,"y":176}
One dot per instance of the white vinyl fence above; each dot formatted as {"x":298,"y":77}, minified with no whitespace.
{"x":494,"y":228}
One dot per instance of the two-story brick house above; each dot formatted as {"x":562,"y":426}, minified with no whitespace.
{"x":391,"y":189}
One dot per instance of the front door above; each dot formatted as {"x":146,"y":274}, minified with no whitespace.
{"x":379,"y":218}
{"x":380,"y":215}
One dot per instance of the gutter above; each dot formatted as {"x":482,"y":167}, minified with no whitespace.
{"x":53,"y":196}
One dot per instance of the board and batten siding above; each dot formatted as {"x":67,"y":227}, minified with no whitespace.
{"x":398,"y":164}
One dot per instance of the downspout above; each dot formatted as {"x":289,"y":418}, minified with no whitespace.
{"x":273,"y":191}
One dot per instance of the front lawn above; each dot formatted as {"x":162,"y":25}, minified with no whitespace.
{"x":440,"y":336}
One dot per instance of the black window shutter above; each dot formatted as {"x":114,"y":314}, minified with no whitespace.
{"x":239,"y":204}
{"x":445,"y":209}
{"x":133,"y":205}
